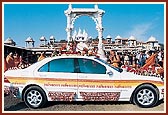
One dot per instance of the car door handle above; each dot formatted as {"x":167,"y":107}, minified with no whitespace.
{"x":82,"y":76}
{"x":43,"y":75}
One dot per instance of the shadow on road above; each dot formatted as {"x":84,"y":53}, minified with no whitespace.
{"x":93,"y":103}
{"x":16,"y":107}
{"x":86,"y":103}
{"x":160,"y":102}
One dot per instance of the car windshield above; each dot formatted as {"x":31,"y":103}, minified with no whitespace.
{"x":115,"y":68}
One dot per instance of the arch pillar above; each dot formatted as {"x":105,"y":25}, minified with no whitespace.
{"x":69,"y":23}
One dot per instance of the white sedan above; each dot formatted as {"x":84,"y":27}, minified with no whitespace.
{"x":81,"y":78}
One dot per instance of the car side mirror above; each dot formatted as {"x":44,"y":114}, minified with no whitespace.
{"x":110,"y":73}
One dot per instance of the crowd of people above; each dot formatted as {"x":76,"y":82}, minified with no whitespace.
{"x":142,"y":62}
{"x":14,"y":61}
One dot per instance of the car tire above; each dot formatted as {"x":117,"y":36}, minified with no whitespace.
{"x":34,"y":97}
{"x":146,"y":96}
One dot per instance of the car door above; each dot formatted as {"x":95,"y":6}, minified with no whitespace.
{"x":94,"y":83}
{"x":59,"y":79}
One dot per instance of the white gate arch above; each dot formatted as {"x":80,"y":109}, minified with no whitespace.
{"x":95,"y":13}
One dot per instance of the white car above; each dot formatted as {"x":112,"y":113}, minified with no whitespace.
{"x":81,"y":78}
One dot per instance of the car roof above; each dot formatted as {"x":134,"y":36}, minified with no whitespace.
{"x":71,"y":56}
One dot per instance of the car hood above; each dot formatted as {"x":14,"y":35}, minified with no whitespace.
{"x":132,"y":76}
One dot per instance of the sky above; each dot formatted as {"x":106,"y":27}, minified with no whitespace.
{"x":36,"y":20}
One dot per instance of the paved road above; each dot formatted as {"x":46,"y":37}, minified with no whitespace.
{"x":13,"y":104}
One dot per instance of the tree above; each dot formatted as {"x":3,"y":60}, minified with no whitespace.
{"x":161,"y":45}
{"x":63,"y":41}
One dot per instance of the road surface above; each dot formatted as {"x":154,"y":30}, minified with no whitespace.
{"x":14,"y":104}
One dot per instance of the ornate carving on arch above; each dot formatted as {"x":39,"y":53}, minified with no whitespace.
{"x":73,"y":19}
{"x":94,"y":13}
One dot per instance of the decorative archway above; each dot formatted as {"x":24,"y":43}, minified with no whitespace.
{"x":95,"y":13}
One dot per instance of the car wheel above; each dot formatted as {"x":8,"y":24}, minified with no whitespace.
{"x":35,"y":97}
{"x":145,"y":96}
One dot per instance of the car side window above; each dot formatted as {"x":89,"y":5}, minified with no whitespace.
{"x":44,"y":68}
{"x":59,"y":65}
{"x":91,"y":66}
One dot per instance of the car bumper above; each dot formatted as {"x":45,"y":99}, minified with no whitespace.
{"x":161,"y":96}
